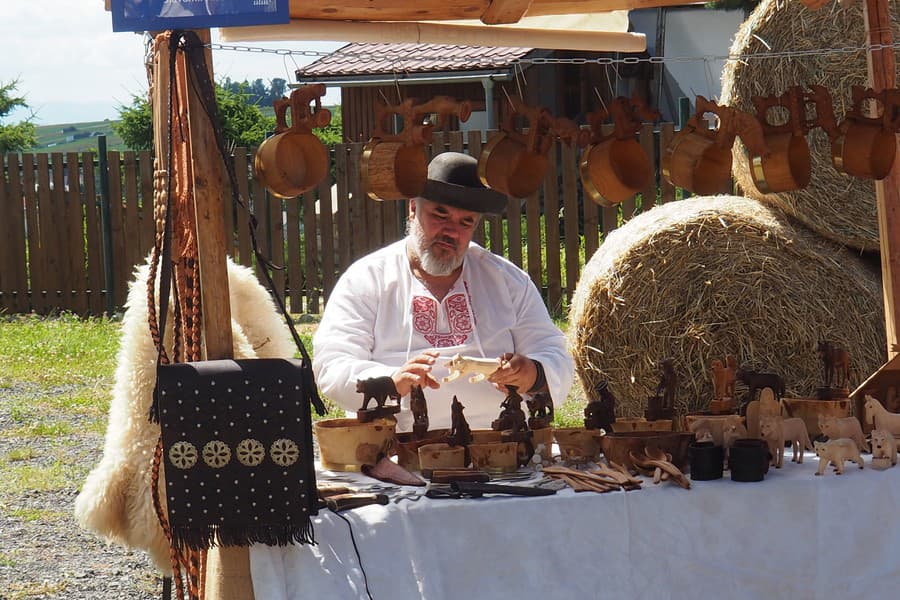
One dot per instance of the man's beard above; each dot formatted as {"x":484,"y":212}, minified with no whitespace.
{"x":422,"y":249}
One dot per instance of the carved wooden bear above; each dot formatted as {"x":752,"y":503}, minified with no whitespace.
{"x":843,"y":427}
{"x":884,"y":446}
{"x":377,"y":388}
{"x":777,"y":430}
{"x":836,"y":452}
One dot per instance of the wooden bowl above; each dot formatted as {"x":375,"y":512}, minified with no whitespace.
{"x":617,"y":446}
{"x":442,"y":456}
{"x":408,"y":448}
{"x":495,"y":457}
{"x":486,"y":436}
{"x":625,"y":425}
{"x":347,"y":444}
{"x":809,"y":410}
{"x":577,"y":443}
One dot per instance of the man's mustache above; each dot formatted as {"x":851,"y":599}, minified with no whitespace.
{"x":444,"y":240}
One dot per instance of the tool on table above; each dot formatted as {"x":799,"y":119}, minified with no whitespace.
{"x":469,"y":489}
{"x":448,"y":475}
{"x":340,"y":502}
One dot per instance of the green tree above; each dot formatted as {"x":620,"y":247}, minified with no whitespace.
{"x":17,"y":136}
{"x":277,"y":89}
{"x":243,"y":124}
{"x":333,"y":133}
{"x":135,"y":125}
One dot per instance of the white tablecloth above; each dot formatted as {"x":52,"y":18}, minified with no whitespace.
{"x":793,"y":535}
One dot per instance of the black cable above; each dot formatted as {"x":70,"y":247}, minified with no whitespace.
{"x":358,"y":557}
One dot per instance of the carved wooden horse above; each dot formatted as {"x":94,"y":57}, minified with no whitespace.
{"x":836,"y":364}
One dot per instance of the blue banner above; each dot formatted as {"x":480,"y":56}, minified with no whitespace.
{"x":157,"y":15}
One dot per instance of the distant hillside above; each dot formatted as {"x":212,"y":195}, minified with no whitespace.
{"x":76,"y":137}
{"x":82,"y":137}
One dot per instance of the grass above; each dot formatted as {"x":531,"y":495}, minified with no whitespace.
{"x":15,"y":478}
{"x":33,"y":515}
{"x":54,"y":138}
{"x":22,"y":591}
{"x":59,"y":352}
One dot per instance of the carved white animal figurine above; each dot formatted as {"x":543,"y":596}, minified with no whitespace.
{"x":730,"y":432}
{"x":715,"y":427}
{"x":878,"y":415}
{"x":703,"y":435}
{"x":768,"y":404}
{"x":843,"y":427}
{"x":883,"y":446}
{"x":777,"y":430}
{"x":836,"y":452}
{"x":481,"y":367}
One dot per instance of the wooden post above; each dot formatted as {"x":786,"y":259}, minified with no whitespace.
{"x":881,"y":67}
{"x":228,"y":569}
{"x":210,"y":190}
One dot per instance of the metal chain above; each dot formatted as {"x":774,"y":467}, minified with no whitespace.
{"x":626,"y":60}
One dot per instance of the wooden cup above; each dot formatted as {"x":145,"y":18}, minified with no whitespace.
{"x":393,"y":170}
{"x":442,"y":456}
{"x":498,"y":457}
{"x":614,"y":170}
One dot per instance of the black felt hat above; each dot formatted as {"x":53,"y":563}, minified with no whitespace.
{"x":453,"y":180}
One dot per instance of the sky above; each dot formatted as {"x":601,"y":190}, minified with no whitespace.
{"x":71,"y":66}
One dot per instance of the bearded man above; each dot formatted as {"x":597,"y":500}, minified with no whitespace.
{"x":406,"y":309}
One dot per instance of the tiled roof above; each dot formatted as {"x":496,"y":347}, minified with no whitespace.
{"x":378,"y":59}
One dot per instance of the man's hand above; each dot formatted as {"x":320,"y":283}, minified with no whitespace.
{"x":417,"y":371}
{"x":515,"y":369}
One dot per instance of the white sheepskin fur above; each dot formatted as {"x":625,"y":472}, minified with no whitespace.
{"x":115,"y":501}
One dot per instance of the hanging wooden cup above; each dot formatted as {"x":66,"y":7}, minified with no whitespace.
{"x":515,"y":163}
{"x":395,"y":166}
{"x":698,"y":159}
{"x":865,"y":146}
{"x":787,"y":167}
{"x":615,"y":167}
{"x":294,"y":160}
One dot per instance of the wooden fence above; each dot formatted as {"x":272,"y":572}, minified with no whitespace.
{"x":59,"y":255}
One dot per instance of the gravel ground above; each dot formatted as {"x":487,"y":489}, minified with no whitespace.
{"x":43,"y":552}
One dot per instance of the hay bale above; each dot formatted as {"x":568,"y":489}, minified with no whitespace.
{"x":836,"y":206}
{"x":716,"y":275}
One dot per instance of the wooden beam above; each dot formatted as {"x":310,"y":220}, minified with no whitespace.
{"x":540,"y":8}
{"x":505,"y":11}
{"x":490,"y":12}
{"x":440,"y":33}
{"x":388,"y":10}
{"x":882,"y":66}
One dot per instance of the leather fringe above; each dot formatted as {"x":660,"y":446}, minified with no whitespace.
{"x":201,"y":538}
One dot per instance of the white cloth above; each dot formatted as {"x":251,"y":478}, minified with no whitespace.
{"x":793,"y":536}
{"x":379,"y":316}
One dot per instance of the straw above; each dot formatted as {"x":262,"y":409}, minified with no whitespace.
{"x":710,"y":276}
{"x":836,"y":206}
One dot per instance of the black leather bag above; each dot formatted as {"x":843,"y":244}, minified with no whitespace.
{"x":237,"y":451}
{"x":236,"y":435}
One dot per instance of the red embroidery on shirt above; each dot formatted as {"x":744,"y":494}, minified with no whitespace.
{"x":458,"y":318}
